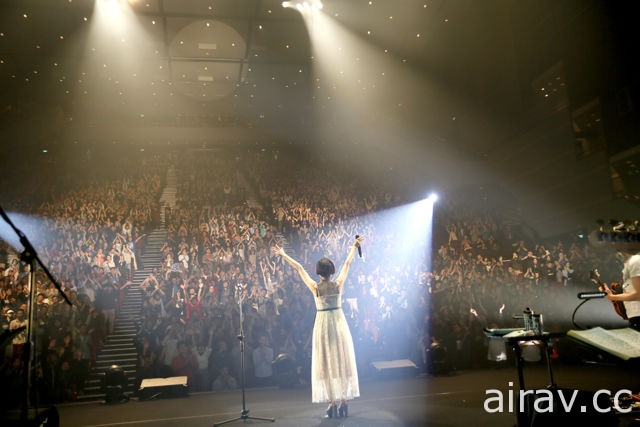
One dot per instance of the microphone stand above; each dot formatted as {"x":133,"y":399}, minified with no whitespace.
{"x":29,"y":256}
{"x":584,"y":296}
{"x":244,"y":415}
{"x":573,"y":316}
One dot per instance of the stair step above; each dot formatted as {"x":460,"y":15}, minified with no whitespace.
{"x":122,"y":335}
{"x":128,"y":349}
{"x":99,"y":376}
{"x":119,"y":344}
{"x":119,"y":338}
{"x":121,"y":355}
{"x":117,"y":361}
{"x":117,"y":348}
{"x":100,"y":367}
{"x":127,"y":319}
{"x":126,"y":323}
{"x":132,"y":361}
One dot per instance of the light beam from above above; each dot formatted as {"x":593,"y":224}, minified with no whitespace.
{"x":302,"y":5}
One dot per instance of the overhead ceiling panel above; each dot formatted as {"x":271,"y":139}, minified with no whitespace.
{"x":214,"y":8}
{"x":208,"y":39}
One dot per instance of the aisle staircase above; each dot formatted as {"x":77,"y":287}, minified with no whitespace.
{"x":120,"y":347}
{"x":249,"y":190}
{"x":168,"y":197}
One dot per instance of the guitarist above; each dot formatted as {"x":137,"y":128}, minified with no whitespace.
{"x":631,"y":283}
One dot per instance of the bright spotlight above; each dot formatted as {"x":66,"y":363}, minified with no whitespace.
{"x":303,"y":4}
{"x":433,"y":197}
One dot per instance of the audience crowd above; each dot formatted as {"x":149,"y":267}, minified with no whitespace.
{"x":218,"y":276}
{"x":89,"y":238}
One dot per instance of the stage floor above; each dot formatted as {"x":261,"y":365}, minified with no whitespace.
{"x":454,"y":400}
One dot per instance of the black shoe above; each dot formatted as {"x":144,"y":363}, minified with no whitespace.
{"x":332,"y":411}
{"x":343,"y":411}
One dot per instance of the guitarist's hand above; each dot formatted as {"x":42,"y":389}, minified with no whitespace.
{"x":610,"y":295}
{"x":602,"y":287}
{"x":615,"y":298}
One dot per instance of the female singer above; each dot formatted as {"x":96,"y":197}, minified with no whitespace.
{"x":334,"y":375}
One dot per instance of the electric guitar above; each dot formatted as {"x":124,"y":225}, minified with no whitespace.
{"x":615,"y":288}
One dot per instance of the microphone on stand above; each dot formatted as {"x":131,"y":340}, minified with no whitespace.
{"x":591,"y":295}
{"x":359,"y":247}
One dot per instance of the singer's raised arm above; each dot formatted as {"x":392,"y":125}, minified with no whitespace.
{"x":344,"y":271}
{"x":311,"y":284}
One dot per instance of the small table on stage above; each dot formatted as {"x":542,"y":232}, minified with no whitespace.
{"x":544,"y":340}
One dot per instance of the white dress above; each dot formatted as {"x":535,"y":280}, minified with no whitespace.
{"x":334,"y":375}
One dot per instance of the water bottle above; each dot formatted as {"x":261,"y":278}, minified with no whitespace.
{"x":536,"y":323}
{"x":527,"y":317}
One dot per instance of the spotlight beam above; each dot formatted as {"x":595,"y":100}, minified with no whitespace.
{"x":303,"y":4}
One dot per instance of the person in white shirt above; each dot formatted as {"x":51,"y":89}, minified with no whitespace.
{"x":202,"y":354}
{"x":263,"y":363}
{"x":630,"y":283}
{"x":20,"y":339}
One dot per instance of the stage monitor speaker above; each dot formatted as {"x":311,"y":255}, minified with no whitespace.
{"x":582,"y":411}
{"x":156,"y":388}
{"x":438,"y":362}
{"x":399,"y":368}
{"x":115,"y":384}
{"x":285,"y":371}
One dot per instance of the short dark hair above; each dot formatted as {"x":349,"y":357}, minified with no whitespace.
{"x":325,"y":267}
